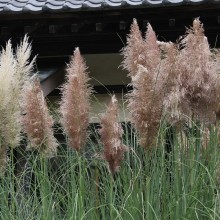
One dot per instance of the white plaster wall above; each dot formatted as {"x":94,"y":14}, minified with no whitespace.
{"x":99,"y":104}
{"x":104,"y":69}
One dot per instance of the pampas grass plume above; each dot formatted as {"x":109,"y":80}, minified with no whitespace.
{"x":145,"y":107}
{"x":134,"y":51}
{"x":10,"y":111}
{"x":37,"y":121}
{"x":198,"y":75}
{"x":75,"y":106}
{"x":111,"y":137}
{"x":24,"y":66}
{"x":145,"y":101}
{"x":14,"y":70}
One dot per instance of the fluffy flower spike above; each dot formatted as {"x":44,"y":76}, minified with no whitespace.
{"x":152,"y":51}
{"x":145,"y":101}
{"x":37,"y":121}
{"x":111,"y":137}
{"x":24,"y":66}
{"x":134,"y":51}
{"x":9,"y":98}
{"x":198,"y":75}
{"x":75,"y":106}
{"x":145,"y":106}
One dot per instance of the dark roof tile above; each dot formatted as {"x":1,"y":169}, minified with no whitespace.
{"x":197,"y":1}
{"x":54,"y":4}
{"x":33,"y":8}
{"x":69,"y":5}
{"x":18,"y":4}
{"x":173,"y":2}
{"x":113,"y":3}
{"x":92,"y":3}
{"x":37,"y":3}
{"x":134,"y":2}
{"x":14,"y":6}
{"x":155,"y":2}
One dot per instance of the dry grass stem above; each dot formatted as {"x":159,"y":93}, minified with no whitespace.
{"x":3,"y":159}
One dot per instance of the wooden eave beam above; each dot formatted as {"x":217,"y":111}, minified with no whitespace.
{"x":53,"y":81}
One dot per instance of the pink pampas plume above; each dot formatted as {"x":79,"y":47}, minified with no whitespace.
{"x":111,"y":137}
{"x":152,"y":50}
{"x":199,"y":76}
{"x":140,"y":51}
{"x":146,"y":99}
{"x":174,"y":102}
{"x":145,"y":106}
{"x":37,"y":122}
{"x":192,"y":86}
{"x":134,"y":51}
{"x":75,"y":104}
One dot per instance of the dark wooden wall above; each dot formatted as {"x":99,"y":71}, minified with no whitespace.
{"x":55,"y":35}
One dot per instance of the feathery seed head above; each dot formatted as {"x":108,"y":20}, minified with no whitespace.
{"x":145,"y":106}
{"x":134,"y":51}
{"x":146,"y":99}
{"x":75,"y":104}
{"x":111,"y":136}
{"x":152,"y":51}
{"x":198,"y":74}
{"x":24,"y":66}
{"x":9,"y":109}
{"x":37,"y":122}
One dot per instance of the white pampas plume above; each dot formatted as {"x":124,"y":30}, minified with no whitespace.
{"x":10,"y":111}
{"x":24,"y":66}
{"x":13,"y":73}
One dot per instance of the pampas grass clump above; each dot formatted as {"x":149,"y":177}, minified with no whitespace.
{"x":145,"y":101}
{"x":14,"y":71}
{"x":193,"y":83}
{"x":174,"y":81}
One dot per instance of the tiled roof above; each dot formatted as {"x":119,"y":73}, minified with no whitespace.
{"x":15,"y":6}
